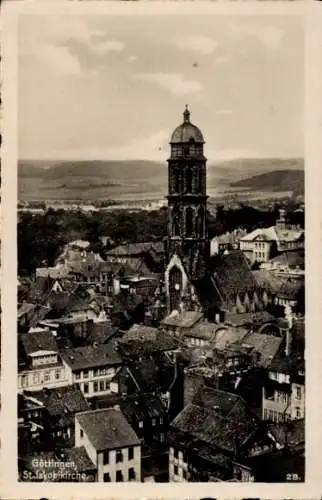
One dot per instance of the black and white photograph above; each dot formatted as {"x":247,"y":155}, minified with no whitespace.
{"x":161,"y":248}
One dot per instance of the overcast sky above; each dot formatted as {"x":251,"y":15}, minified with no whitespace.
{"x":114,"y":87}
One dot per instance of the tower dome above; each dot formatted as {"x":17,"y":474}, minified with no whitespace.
{"x":187,"y":132}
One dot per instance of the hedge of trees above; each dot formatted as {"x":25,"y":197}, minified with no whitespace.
{"x":41,"y":237}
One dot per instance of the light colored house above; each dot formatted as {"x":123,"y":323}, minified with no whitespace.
{"x":111,"y":444}
{"x":92,"y":368}
{"x":39,"y":363}
{"x":261,"y":244}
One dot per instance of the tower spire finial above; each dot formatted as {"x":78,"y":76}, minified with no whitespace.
{"x":186,"y":115}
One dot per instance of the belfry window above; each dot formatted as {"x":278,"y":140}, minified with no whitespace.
{"x":175,"y":223}
{"x":200,"y":222}
{"x":189,"y":179}
{"x":176,"y":180}
{"x":189,"y":222}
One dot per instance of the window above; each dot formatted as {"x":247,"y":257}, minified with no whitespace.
{"x":131,"y":453}
{"x":154,"y":421}
{"x":161,"y":420}
{"x":140,"y":424}
{"x":107,"y":477}
{"x":46,"y":376}
{"x":175,"y":470}
{"x":102,"y":385}
{"x":298,"y":393}
{"x":106,"y":457}
{"x":81,"y":433}
{"x":85,"y":373}
{"x":131,"y":474}
{"x":85,"y":388}
{"x":119,"y":476}
{"x":77,"y":375}
{"x":36,"y":378}
{"x":57,"y":374}
{"x":298,"y":412}
{"x":95,"y":386}
{"x":119,"y":456}
{"x":96,"y":372}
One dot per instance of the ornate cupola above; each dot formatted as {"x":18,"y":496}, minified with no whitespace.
{"x":187,"y":199}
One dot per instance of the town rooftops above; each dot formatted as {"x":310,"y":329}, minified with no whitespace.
{"x":266,"y":345}
{"x":290,"y":259}
{"x":217,"y":418}
{"x":91,"y":356}
{"x":225,"y":336}
{"x":185,"y":319}
{"x":62,"y":400}
{"x":203,"y":331}
{"x":38,"y":341}
{"x":136,"y":249}
{"x":141,"y":332}
{"x":249,"y":318}
{"x":262,"y":234}
{"x":107,"y":429}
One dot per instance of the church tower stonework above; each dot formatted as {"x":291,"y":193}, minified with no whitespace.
{"x":187,"y":244}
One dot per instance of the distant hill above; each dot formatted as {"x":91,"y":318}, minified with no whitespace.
{"x":277,"y":180}
{"x":48,"y":180}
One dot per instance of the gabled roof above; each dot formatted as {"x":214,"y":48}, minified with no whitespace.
{"x":266,"y":345}
{"x":107,"y":429}
{"x":38,"y":341}
{"x":257,"y":318}
{"x":59,"y":401}
{"x":81,"y":358}
{"x":265,"y":234}
{"x":231,"y":275}
{"x":186,"y":319}
{"x":217,"y":418}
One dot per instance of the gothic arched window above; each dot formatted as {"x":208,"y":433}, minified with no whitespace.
{"x":175,"y":222}
{"x":200,"y":222}
{"x":189,"y":222}
{"x":175,"y":288}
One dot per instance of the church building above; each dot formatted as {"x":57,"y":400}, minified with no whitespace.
{"x":194,"y":281}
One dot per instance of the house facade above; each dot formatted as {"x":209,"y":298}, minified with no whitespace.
{"x":111,"y":444}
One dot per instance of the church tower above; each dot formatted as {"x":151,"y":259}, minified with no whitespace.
{"x":187,"y":245}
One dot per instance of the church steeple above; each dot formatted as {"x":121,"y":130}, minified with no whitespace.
{"x":187,"y":205}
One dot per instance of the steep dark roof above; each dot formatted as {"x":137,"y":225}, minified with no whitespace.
{"x":38,"y":341}
{"x":58,"y":400}
{"x":108,"y":429}
{"x":249,"y":318}
{"x":80,"y":358}
{"x":101,"y":332}
{"x":146,"y":346}
{"x":217,"y":418}
{"x":232,"y":274}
